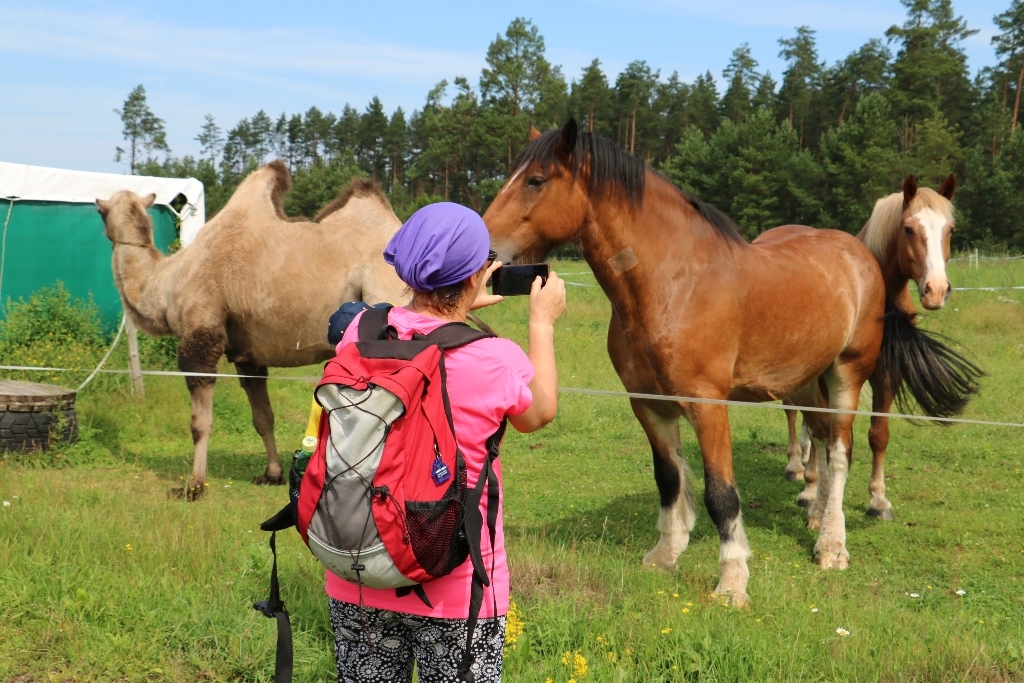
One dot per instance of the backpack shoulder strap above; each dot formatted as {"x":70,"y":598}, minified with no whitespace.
{"x":373,"y":324}
{"x":453,"y":335}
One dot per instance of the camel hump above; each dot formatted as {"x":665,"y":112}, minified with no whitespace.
{"x":266,"y":185}
{"x":359,"y":188}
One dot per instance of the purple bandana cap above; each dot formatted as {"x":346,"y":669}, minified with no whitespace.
{"x":440,"y":245}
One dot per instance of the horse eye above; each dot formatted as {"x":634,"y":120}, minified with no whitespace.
{"x":908,"y":230}
{"x":535,"y":181}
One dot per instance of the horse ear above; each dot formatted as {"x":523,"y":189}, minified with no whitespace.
{"x":149,"y":200}
{"x":567,"y":142}
{"x":103,"y":206}
{"x":909,"y":188}
{"x":534,"y":133}
{"x":948,"y":187}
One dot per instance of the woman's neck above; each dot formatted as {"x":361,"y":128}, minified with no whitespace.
{"x":458,"y":315}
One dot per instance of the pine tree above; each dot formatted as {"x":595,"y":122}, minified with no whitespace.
{"x":143,"y":131}
{"x":634,"y":89}
{"x":1010,"y":47}
{"x":211,"y":138}
{"x":518,"y":79}
{"x":861,"y":162}
{"x":704,"y":106}
{"x":801,"y":82}
{"x":741,"y":74}
{"x":929,"y":73}
{"x":592,"y":100}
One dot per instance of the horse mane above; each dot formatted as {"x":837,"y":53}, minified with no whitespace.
{"x":887,"y":217}
{"x":613,"y":169}
{"x":360,"y":187}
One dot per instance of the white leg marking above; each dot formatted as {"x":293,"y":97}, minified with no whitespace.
{"x":830,"y":550}
{"x":879,"y":505}
{"x":732,"y":565}
{"x":675,"y":523}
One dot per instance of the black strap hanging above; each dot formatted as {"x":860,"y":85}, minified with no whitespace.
{"x":273,"y":607}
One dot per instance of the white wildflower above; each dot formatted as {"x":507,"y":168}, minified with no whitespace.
{"x":7,"y":503}
{"x":915,"y":595}
{"x":842,"y":631}
{"x":961,"y":591}
{"x":814,"y":610}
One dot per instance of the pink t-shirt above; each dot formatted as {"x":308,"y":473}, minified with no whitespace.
{"x":487,"y":381}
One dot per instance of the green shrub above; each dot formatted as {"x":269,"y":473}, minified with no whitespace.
{"x":52,"y":329}
{"x":158,"y":353}
{"x":51,"y":314}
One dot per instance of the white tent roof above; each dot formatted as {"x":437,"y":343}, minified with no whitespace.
{"x":18,"y":181}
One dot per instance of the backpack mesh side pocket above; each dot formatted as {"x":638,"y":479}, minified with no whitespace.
{"x":435,"y":529}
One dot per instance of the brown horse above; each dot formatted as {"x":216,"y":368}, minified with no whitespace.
{"x":909,"y":234}
{"x":696,"y":311}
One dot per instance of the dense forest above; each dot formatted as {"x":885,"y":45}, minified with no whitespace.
{"x":817,"y":146}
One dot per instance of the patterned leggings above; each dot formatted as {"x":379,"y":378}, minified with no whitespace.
{"x":398,"y":639}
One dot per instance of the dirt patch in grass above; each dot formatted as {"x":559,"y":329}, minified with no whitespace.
{"x":537,"y":580}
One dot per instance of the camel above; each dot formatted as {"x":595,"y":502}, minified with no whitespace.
{"x":255,"y":286}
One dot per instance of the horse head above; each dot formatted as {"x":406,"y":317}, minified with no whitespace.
{"x":544,"y":202}
{"x":923,"y":246}
{"x":125,"y":220}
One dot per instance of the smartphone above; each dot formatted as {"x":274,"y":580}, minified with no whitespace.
{"x":513,"y":280}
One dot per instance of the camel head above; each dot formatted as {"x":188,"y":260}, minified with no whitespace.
{"x":125,"y":219}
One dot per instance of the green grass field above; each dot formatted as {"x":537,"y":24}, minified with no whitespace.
{"x":103,"y":578}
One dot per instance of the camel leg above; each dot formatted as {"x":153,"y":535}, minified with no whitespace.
{"x":795,"y":466}
{"x":878,"y":438}
{"x":672,"y":475}
{"x":199,"y":351}
{"x":844,"y":393}
{"x":255,"y":386}
{"x":711,"y":423}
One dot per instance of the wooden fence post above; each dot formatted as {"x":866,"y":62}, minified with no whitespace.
{"x":134,"y":364}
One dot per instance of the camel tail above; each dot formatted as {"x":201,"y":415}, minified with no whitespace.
{"x":917,"y":363}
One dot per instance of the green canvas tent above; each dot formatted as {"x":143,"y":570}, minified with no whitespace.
{"x":52,"y":231}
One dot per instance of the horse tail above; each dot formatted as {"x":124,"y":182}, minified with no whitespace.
{"x":917,"y":362}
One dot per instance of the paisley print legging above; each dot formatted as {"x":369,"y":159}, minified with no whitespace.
{"x":379,"y":646}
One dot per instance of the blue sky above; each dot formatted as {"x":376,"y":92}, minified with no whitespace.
{"x":64,"y":66}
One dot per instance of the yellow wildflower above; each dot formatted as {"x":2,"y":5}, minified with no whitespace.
{"x":578,"y":663}
{"x":514,"y":626}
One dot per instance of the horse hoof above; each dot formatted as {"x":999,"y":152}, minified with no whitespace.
{"x":884,"y":515}
{"x":652,"y":561}
{"x":804,"y":502}
{"x":264,"y":480}
{"x":740,"y":600}
{"x":794,"y":476}
{"x":832,"y":560}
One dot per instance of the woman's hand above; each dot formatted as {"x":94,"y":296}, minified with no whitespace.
{"x":547,"y":301}
{"x":482,"y":297}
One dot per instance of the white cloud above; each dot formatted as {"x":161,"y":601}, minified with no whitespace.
{"x":285,"y":58}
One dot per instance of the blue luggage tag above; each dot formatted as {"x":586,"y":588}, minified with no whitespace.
{"x":440,"y":474}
